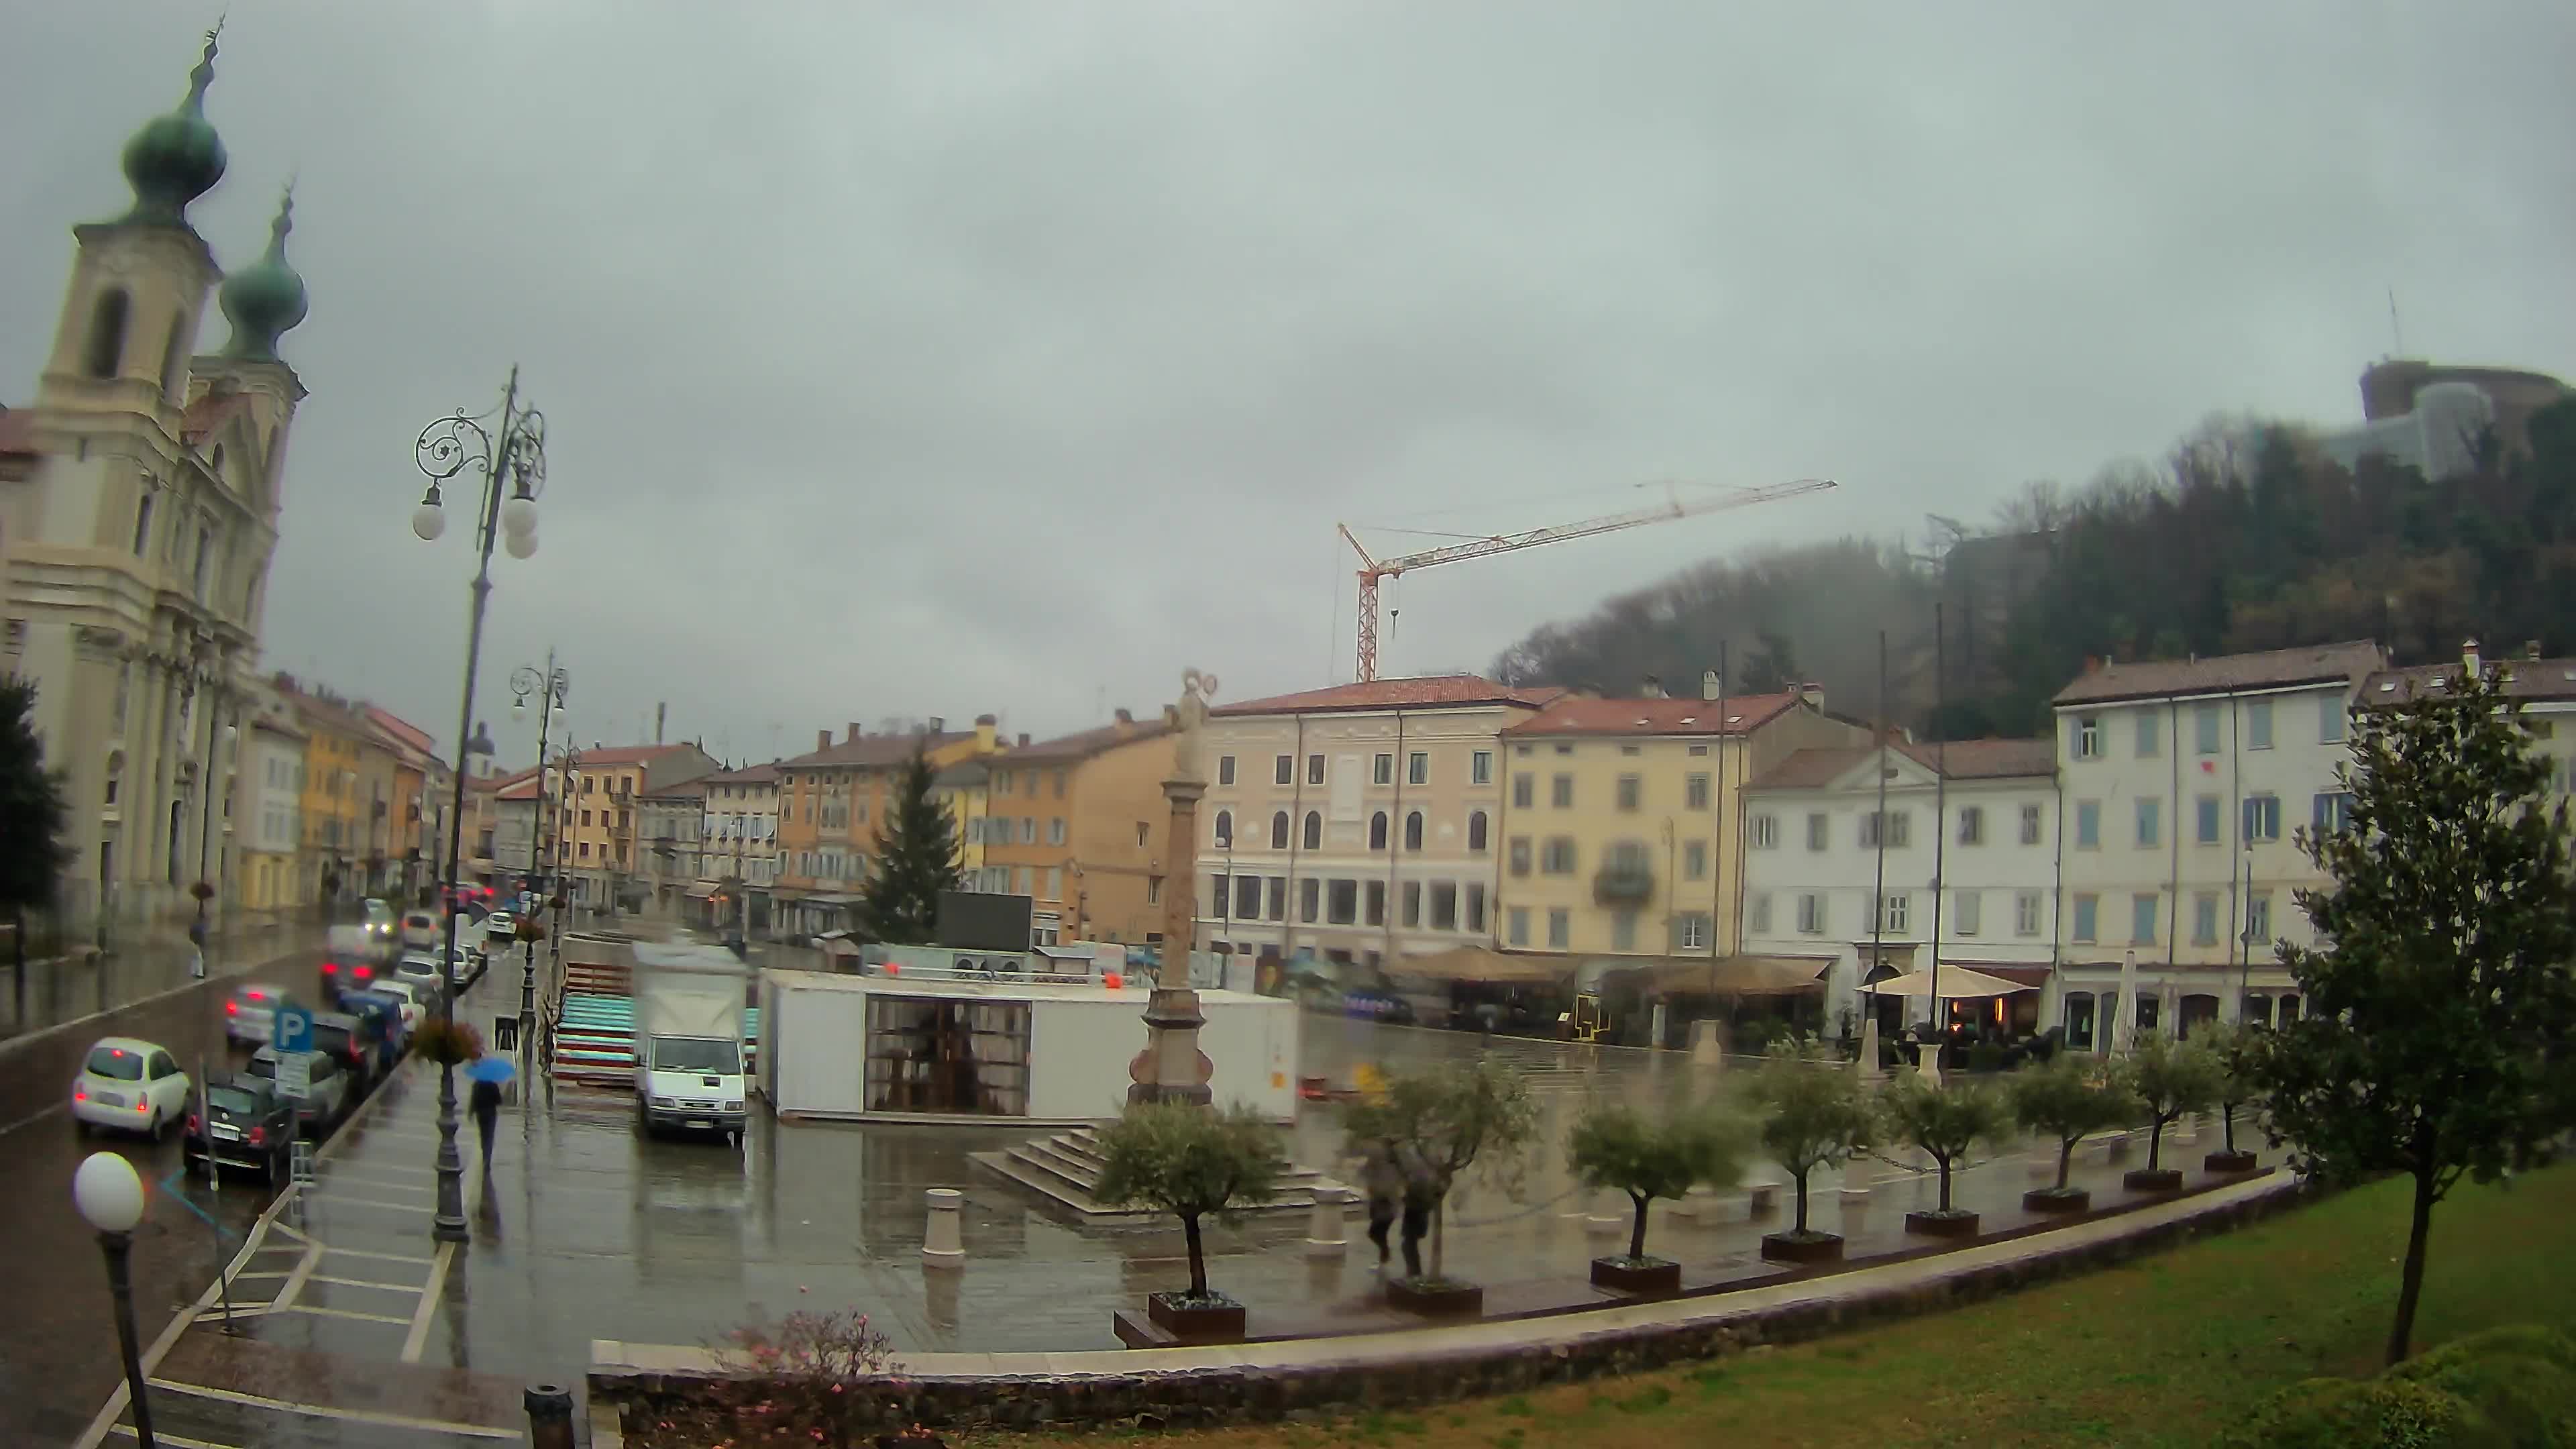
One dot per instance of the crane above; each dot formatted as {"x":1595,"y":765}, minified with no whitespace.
{"x":1374,"y":571}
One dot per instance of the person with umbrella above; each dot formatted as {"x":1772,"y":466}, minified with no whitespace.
{"x":487,"y":1074}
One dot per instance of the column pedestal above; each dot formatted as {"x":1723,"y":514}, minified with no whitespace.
{"x":1171,"y":1068}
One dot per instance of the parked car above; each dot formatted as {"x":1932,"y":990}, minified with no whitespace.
{"x":129,"y":1085}
{"x":240,"y":1121}
{"x":371,"y":1036}
{"x":326,"y":1096}
{"x":421,"y":969}
{"x":346,"y":973}
{"x":411,"y":1000}
{"x":250,"y":1013}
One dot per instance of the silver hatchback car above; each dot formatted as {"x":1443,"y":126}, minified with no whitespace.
{"x":250,"y":1013}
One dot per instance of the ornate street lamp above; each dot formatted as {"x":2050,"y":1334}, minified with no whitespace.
{"x":110,"y":1196}
{"x":551,"y":685}
{"x":510,"y":456}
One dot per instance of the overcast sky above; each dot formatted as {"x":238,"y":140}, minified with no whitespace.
{"x":937,"y":359}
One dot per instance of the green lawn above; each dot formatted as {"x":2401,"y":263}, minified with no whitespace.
{"x":2168,"y":1351}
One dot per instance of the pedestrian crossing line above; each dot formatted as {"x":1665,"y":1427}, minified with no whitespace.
{"x":339,"y":1313}
{"x":173,"y":1440}
{"x":418,"y":1338}
{"x":370,"y":1283}
{"x":328,"y":1411}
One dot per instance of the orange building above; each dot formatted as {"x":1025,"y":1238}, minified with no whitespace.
{"x":830,"y":803}
{"x":1078,"y":824}
{"x":598,"y":822}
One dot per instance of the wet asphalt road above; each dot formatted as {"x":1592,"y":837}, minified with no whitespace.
{"x":58,"y":1355}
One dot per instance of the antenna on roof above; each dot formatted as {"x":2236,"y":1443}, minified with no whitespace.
{"x":2396,"y":330}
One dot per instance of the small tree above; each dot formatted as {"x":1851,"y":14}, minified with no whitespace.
{"x":1453,"y":1116}
{"x":2232,"y":1047}
{"x":2168,"y":1078}
{"x":1946,"y":1122}
{"x":2068,"y":1099}
{"x":1189,"y":1162}
{"x":2441,"y":1004}
{"x":1617,"y":1146}
{"x":916,"y":860}
{"x":32,"y":817}
{"x":1819,"y":1114}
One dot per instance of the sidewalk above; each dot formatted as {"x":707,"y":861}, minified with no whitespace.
{"x":86,"y":983}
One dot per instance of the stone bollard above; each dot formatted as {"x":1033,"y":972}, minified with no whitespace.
{"x":549,"y":1416}
{"x":1761,"y":1197}
{"x":2187,"y":1128}
{"x":1699,"y":1207}
{"x":1325,"y":1235}
{"x":1855,"y":1211}
{"x":1704,"y":1048}
{"x":1609,"y":1216}
{"x":944,"y":1245}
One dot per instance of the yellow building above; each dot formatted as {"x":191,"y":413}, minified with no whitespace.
{"x":1079,"y":825}
{"x":598,"y":823}
{"x":830,"y":803}
{"x":967,"y":792}
{"x":337,"y":747}
{"x":1620,"y":818}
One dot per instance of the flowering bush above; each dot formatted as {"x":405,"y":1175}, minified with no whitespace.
{"x":447,"y":1042}
{"x":803,"y":1380}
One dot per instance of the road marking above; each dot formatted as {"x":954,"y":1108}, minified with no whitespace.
{"x":339,"y":1313}
{"x":368,"y":1202}
{"x":370,"y":1283}
{"x":304,"y":1267}
{"x":443,"y":1250}
{"x":419,"y":1335}
{"x":173,"y":1440}
{"x":386,"y":1167}
{"x":326,"y":1411}
{"x":264,"y":1273}
{"x":32,"y":1118}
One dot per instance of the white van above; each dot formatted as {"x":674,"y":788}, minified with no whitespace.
{"x":421,"y":931}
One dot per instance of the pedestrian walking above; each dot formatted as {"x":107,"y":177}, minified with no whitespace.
{"x":197,"y":950}
{"x":1383,"y":1180}
{"x":485,"y":1103}
{"x":1421,"y":1195}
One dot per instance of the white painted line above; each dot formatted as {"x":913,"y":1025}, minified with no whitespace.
{"x":389,"y":1257}
{"x":32,"y":1118}
{"x":304,"y":1267}
{"x":340,"y":1313}
{"x":418,"y":1338}
{"x":173,"y":1440}
{"x":354,"y":1163}
{"x":371,"y":1202}
{"x":369,"y":1283}
{"x":263,"y":1273}
{"x":326,"y":1411}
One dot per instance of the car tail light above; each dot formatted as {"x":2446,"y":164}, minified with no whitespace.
{"x":259,"y":1137}
{"x":79,"y":1092}
{"x":145,"y":1105}
{"x":361,"y":972}
{"x":193,"y":1124}
{"x":232,"y":1008}
{"x":330,"y":968}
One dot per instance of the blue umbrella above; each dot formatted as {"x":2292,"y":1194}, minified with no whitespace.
{"x":490,"y":1069}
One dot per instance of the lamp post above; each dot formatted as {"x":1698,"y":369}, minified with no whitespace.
{"x":510,"y":456}
{"x":552,"y":685}
{"x":110,"y":1197}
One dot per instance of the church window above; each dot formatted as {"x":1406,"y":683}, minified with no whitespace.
{"x":143,"y":527}
{"x":107,"y":333}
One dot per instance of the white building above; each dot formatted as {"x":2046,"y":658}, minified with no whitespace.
{"x":1295,"y":833}
{"x":267,"y":825}
{"x":2546,"y":688}
{"x":1815,"y":855}
{"x":740,"y":836}
{"x":2183,"y":782}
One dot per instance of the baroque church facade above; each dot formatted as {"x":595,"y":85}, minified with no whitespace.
{"x":139,"y":501}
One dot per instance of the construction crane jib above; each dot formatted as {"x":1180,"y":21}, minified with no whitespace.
{"x":1375,"y":571}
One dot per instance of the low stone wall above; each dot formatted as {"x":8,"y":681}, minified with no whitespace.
{"x":1391,"y":1371}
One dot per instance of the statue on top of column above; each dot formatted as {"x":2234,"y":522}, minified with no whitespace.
{"x":1191,"y":720}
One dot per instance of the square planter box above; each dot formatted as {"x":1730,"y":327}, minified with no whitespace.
{"x":2157,"y":1179}
{"x":1942,"y":1225}
{"x":1196,"y":1322}
{"x":1435,"y":1300}
{"x":2050,"y":1200}
{"x":2228,"y":1162}
{"x":1645,"y":1277}
{"x":1814,"y":1248}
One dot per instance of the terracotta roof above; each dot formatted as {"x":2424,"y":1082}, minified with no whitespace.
{"x":1581,"y":715}
{"x":965,"y":772}
{"x":17,"y":431}
{"x":1426,"y":692}
{"x":2547,"y":679}
{"x":747,"y":775}
{"x":402,"y":730}
{"x":622,"y":755}
{"x":690,"y":789}
{"x":1959,"y":760}
{"x":1084,"y":745}
{"x":2269,"y":669}
{"x":868,"y":751}
{"x":210,"y":412}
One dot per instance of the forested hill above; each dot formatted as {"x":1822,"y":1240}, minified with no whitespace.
{"x":2245,"y":537}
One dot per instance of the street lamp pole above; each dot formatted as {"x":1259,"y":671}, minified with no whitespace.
{"x":511,"y":463}
{"x":110,"y":1196}
{"x":553,"y":685}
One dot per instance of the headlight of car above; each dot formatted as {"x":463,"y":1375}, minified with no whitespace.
{"x":733,"y":1106}
{"x":666,"y":1101}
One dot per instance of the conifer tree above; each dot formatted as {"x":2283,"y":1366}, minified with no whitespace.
{"x":916,"y":860}
{"x":32,"y":817}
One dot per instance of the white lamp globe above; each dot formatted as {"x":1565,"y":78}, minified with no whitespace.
{"x":521,"y":545}
{"x":428,"y":521}
{"x":519,"y":515}
{"x":108,"y":1193}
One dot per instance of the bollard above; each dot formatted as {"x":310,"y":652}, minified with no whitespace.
{"x":1324,"y":1233}
{"x":1704,"y":1048}
{"x":549,"y":1416}
{"x":1855,"y":1211}
{"x":1609,"y":1215}
{"x":1762,"y":1197}
{"x":943,"y":1245}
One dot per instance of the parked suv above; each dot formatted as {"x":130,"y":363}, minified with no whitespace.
{"x":240,"y":1121}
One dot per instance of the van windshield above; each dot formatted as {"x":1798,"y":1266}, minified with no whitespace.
{"x":695,"y":1054}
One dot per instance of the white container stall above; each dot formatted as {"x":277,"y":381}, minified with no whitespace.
{"x":919,"y":1045}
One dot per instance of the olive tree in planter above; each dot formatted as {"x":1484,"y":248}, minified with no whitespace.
{"x":1817,"y":1114}
{"x":1192,"y":1163}
{"x":1615,"y":1145}
{"x":1448,"y":1119}
{"x":2168,"y":1078}
{"x":2232,"y":1044}
{"x":2068,"y":1099}
{"x":1947,"y":1123}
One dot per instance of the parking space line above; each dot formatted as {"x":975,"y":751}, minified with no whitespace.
{"x":304,"y":1267}
{"x":262,"y":1273}
{"x":340,"y":1313}
{"x":443,"y":1251}
{"x":370,"y":1283}
{"x":418,"y":1338}
{"x":326,"y":1411}
{"x":382,"y":1167}
{"x":173,"y":1440}
{"x":368,"y":1202}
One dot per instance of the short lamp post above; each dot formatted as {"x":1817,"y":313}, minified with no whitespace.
{"x":110,"y":1197}
{"x":510,"y":456}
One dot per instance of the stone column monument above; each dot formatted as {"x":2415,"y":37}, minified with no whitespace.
{"x":1171,"y":1068}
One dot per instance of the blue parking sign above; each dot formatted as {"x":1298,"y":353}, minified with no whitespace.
{"x":293,"y":1028}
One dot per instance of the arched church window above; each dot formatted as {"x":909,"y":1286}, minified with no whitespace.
{"x":107,"y":333}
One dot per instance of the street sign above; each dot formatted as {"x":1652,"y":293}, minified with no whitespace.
{"x":295,"y":1075}
{"x":292,"y":1030}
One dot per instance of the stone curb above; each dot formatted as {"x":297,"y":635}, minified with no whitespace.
{"x":1322,"y":1378}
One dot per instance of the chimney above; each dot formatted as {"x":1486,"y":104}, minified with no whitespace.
{"x":939,"y":724}
{"x":1652,"y":688}
{"x":661,"y":715}
{"x":822,"y":739}
{"x":2531,"y":649}
{"x":2469,"y":658}
{"x":1024,"y":739}
{"x":986,"y":726}
{"x":1710,"y":686}
{"x":1812,"y":695}
{"x":853,"y":727}
{"x":1126,"y":724}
